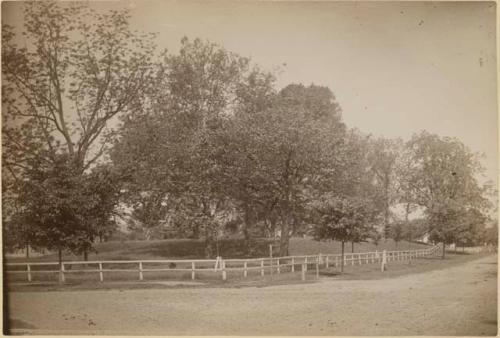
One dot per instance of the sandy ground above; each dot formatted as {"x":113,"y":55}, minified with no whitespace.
{"x":461,"y":300}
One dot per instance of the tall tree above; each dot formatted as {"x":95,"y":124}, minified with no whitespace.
{"x":172,"y":152}
{"x":290,"y":144}
{"x":383,"y":161}
{"x":443,"y":180}
{"x":243,"y":177}
{"x":76,"y":72}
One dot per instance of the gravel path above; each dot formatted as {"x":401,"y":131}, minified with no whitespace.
{"x":460,"y":300}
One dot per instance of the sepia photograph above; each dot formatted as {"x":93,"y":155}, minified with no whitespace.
{"x":249,"y":168}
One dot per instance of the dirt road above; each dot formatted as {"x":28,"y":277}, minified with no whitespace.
{"x":460,"y":300}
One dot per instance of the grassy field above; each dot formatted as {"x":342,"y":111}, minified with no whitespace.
{"x":194,"y":249}
{"x":179,"y":249}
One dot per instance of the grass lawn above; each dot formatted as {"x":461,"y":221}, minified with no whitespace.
{"x":230,"y":248}
{"x":179,"y":249}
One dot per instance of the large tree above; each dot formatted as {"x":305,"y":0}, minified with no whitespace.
{"x":345,"y":206}
{"x":172,"y":151}
{"x":444,"y":181}
{"x":75,"y":71}
{"x":289,"y":149}
{"x":383,"y":159}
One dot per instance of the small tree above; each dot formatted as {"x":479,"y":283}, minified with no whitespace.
{"x":342,"y":219}
{"x":65,"y":211}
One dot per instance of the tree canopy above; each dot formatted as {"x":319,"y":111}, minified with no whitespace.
{"x":201,"y":142}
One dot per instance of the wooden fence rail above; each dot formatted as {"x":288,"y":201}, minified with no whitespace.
{"x":215,"y":266}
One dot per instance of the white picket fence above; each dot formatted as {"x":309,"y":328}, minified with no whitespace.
{"x":219,"y":266}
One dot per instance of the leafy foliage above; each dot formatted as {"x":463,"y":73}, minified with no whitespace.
{"x":63,"y":207}
{"x":443,"y":181}
{"x":206,"y":145}
{"x":77,"y":71}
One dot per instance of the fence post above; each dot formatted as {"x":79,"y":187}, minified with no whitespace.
{"x":327,"y":261}
{"x":245,"y":271}
{"x":303,"y":271}
{"x":384,"y":261}
{"x":193,"y":270}
{"x":224,"y":276}
{"x":293,"y":264}
{"x":262,"y":267}
{"x":352,"y":259}
{"x":29,"y":272}
{"x":359,"y":259}
{"x":101,"y":277}
{"x":63,"y":278}
{"x":141,"y":277}
{"x":278,"y":267}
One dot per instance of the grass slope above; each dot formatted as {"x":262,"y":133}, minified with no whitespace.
{"x":233,"y":248}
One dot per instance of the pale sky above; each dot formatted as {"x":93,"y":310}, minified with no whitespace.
{"x":395,"y":67}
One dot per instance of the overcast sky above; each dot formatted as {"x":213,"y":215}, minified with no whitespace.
{"x":396,"y":68}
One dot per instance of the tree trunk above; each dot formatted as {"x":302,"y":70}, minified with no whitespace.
{"x":285,"y":238}
{"x":196,"y":232}
{"x":248,"y":224}
{"x":27,"y":251}
{"x":396,"y":243}
{"x":208,"y":242}
{"x":247,"y":238}
{"x":85,"y":255}
{"x":59,"y":252}
{"x":352,"y":246}
{"x":386,"y":207}
{"x":408,"y":224}
{"x":444,"y":249}
{"x":342,"y":259}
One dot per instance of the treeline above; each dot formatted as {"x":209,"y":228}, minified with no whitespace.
{"x":200,"y":143}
